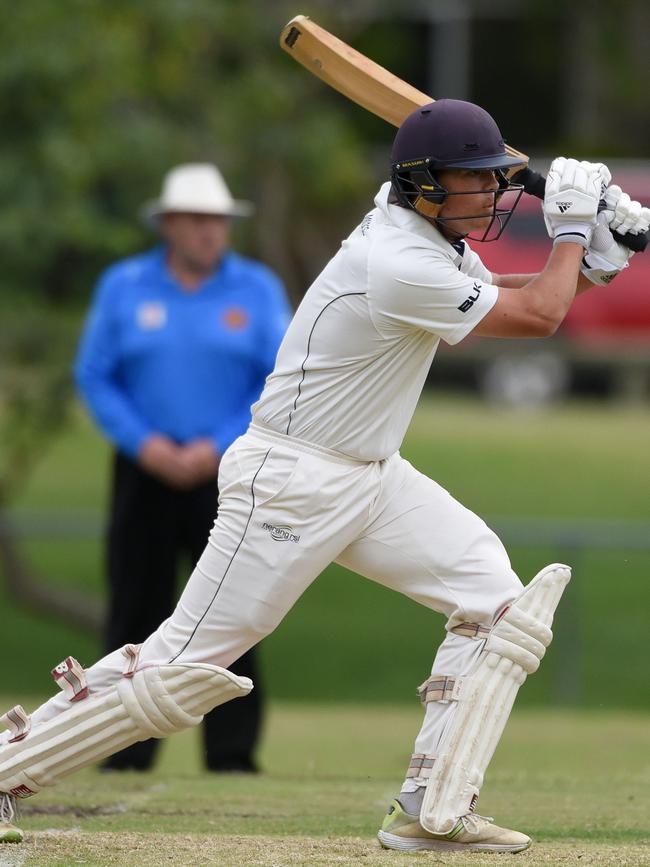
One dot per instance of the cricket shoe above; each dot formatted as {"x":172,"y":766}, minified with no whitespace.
{"x":401,"y":830}
{"x":9,"y":833}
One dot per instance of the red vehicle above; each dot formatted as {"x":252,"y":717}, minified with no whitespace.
{"x":604,"y":340}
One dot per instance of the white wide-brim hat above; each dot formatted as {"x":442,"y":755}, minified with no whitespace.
{"x":195,"y":188}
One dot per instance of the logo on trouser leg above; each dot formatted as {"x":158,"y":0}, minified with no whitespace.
{"x":281,"y":533}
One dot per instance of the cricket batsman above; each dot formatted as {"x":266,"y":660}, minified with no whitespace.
{"x":318,"y":477}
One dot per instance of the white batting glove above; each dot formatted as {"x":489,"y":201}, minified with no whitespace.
{"x":573,"y":190}
{"x":628,"y":215}
{"x":605,"y":257}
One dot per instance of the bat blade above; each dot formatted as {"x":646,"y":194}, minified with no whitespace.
{"x":353,"y":74}
{"x":349,"y":72}
{"x":379,"y":91}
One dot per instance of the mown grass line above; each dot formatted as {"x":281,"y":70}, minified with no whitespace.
{"x":329,"y":774}
{"x":140,"y":850}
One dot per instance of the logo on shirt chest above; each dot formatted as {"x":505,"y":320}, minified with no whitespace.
{"x":151,"y":315}
{"x":469,"y":302}
{"x":235,"y":318}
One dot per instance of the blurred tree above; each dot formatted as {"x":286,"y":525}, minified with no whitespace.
{"x":607,"y":103}
{"x":98,"y":100}
{"x":35,"y":388}
{"x":568,"y":78}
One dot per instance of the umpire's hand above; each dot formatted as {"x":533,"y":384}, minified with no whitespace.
{"x":163,"y":458}
{"x":202,"y":459}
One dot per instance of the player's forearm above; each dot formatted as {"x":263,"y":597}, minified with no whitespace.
{"x":551,"y":292}
{"x":537,"y":308}
{"x":512,"y":281}
{"x":518,"y":281}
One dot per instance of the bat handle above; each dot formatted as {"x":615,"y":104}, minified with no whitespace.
{"x":535,"y":184}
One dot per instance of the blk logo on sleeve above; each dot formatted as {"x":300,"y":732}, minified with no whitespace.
{"x":469,"y":302}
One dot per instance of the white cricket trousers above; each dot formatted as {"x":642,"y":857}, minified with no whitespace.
{"x":286,"y":510}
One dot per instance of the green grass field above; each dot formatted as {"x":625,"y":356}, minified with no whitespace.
{"x":578,"y":461}
{"x":578,"y":783}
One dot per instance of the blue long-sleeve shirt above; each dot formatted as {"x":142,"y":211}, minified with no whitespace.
{"x":154,"y":358}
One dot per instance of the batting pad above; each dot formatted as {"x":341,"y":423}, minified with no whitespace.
{"x":153,"y":702}
{"x":513,"y":649}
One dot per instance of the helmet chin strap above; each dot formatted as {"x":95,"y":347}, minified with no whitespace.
{"x":426,"y":208}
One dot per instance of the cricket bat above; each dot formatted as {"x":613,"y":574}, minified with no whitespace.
{"x":384,"y":94}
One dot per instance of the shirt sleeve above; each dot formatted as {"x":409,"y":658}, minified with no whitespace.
{"x":416,"y":287}
{"x":273,"y":320}
{"x":473,"y":265}
{"x":96,"y":368}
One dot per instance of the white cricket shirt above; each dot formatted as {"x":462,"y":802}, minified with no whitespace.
{"x":353,"y":362}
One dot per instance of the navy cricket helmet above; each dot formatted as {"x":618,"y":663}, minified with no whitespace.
{"x":449,"y":134}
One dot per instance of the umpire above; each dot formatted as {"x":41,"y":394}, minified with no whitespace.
{"x":176,"y":348}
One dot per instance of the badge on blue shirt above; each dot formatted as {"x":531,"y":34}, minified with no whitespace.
{"x":151,"y":315}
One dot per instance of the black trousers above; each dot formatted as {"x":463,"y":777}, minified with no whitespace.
{"x":151,"y":527}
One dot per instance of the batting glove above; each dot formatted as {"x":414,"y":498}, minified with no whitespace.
{"x":628,"y":215}
{"x":573,"y":190}
{"x":605,"y":257}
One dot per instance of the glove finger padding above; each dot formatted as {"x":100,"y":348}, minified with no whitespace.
{"x":631,"y":220}
{"x":554,"y":174}
{"x":643,"y":223}
{"x":578,"y":178}
{"x":627,"y":215}
{"x":605,"y":176}
{"x":583,"y":173}
{"x":612,"y":195}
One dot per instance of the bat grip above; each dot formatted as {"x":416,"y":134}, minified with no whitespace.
{"x":535,"y":185}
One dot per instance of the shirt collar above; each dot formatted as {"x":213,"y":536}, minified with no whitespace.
{"x":409,"y":221}
{"x":222,"y":270}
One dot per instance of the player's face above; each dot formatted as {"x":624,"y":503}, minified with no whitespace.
{"x":196,"y":240}
{"x":472,"y":211}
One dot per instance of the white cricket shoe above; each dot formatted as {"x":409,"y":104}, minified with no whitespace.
{"x":401,"y":830}
{"x":9,"y":833}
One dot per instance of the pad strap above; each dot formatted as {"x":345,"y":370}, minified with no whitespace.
{"x":132,"y":654}
{"x":471,"y":630}
{"x":420,"y":765}
{"x":18,"y":721}
{"x":70,"y":676}
{"x":440,"y":687}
